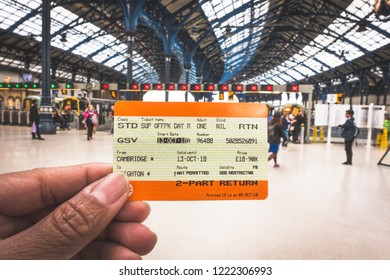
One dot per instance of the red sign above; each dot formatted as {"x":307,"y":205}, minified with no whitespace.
{"x":159,"y":87}
{"x":238,"y":87}
{"x":294,"y":88}
{"x":184,"y":87}
{"x":269,"y":87}
{"x":210,"y":87}
{"x":225,"y":87}
{"x":146,"y":87}
{"x":253,"y":87}
{"x":134,"y":86}
{"x":171,"y":87}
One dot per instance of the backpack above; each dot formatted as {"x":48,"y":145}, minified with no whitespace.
{"x":271,"y":133}
{"x":356,"y":132}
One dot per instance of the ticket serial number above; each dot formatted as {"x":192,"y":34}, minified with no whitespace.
{"x":186,"y":140}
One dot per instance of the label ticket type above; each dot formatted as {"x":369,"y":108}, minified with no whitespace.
{"x":192,"y":151}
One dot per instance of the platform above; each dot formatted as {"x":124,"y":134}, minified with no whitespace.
{"x":317,"y":208}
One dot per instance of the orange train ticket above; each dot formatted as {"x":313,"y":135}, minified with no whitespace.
{"x":192,"y":150}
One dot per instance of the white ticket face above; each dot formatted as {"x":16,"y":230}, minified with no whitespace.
{"x":191,"y":151}
{"x":187,"y":148}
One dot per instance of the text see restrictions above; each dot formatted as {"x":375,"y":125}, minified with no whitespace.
{"x":204,"y":152}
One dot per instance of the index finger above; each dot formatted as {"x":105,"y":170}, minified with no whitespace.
{"x":28,"y":191}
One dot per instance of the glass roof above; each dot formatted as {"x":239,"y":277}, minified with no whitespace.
{"x":83,"y":38}
{"x":239,"y":33}
{"x":339,"y":44}
{"x":237,"y":24}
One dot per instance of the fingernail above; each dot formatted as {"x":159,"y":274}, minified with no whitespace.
{"x":112,"y":188}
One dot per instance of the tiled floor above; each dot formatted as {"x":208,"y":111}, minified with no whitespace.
{"x":317,"y":208}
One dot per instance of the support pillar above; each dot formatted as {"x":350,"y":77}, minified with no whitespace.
{"x":130,"y":48}
{"x":167,"y":73}
{"x":46,"y":119}
{"x":187,"y":69}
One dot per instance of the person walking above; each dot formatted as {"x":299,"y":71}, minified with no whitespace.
{"x":90,"y":116}
{"x":286,"y":126}
{"x":275,"y":132}
{"x":348,"y":134}
{"x":34,"y":120}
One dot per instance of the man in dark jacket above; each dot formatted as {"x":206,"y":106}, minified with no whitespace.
{"x":348,"y":134}
{"x":34,"y":119}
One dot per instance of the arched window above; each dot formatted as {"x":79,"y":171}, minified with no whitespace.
{"x":10,"y":102}
{"x":18,"y":103}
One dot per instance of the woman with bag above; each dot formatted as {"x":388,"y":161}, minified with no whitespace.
{"x":91,"y":119}
{"x":34,"y":119}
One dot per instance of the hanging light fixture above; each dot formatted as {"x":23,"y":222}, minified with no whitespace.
{"x":228,"y":32}
{"x":63,"y":38}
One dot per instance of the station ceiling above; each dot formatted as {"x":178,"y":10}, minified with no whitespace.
{"x":245,"y":41}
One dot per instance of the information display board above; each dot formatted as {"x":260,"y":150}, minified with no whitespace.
{"x":321,"y":114}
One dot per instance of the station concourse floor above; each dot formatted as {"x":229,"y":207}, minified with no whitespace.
{"x":317,"y":208}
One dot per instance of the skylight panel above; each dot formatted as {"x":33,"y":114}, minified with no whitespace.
{"x":309,"y":50}
{"x":81,"y":78}
{"x":115,"y":60}
{"x":275,"y":80}
{"x":313,"y":64}
{"x":341,"y":27}
{"x":359,"y":8}
{"x":62,"y":74}
{"x":6,"y":23}
{"x":11,"y":62}
{"x":370,"y":39}
{"x":296,"y":72}
{"x":286,"y":78}
{"x":324,"y":40}
{"x":13,"y":11}
{"x":330,"y":59}
{"x":119,"y":47}
{"x":36,"y":68}
{"x":209,"y":11}
{"x":62,"y":15}
{"x":87,"y":48}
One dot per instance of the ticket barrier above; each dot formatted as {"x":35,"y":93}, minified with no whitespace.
{"x":23,"y":118}
{"x":14,"y":117}
{"x":6,"y":117}
{"x":105,"y":123}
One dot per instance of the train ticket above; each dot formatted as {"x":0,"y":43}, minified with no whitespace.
{"x":192,"y":150}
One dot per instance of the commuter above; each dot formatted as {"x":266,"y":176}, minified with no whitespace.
{"x":292,"y":120}
{"x":275,"y":133}
{"x":34,"y":119}
{"x":86,"y":216}
{"x":348,"y":134}
{"x":67,"y":116}
{"x":90,"y":117}
{"x":286,"y":122}
{"x":58,"y":119}
{"x":299,"y":120}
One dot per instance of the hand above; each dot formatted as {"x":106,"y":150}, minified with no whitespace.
{"x":79,"y":212}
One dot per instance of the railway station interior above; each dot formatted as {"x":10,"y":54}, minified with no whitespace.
{"x":320,"y":58}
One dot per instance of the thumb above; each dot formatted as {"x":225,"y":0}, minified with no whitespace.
{"x":74,"y":224}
